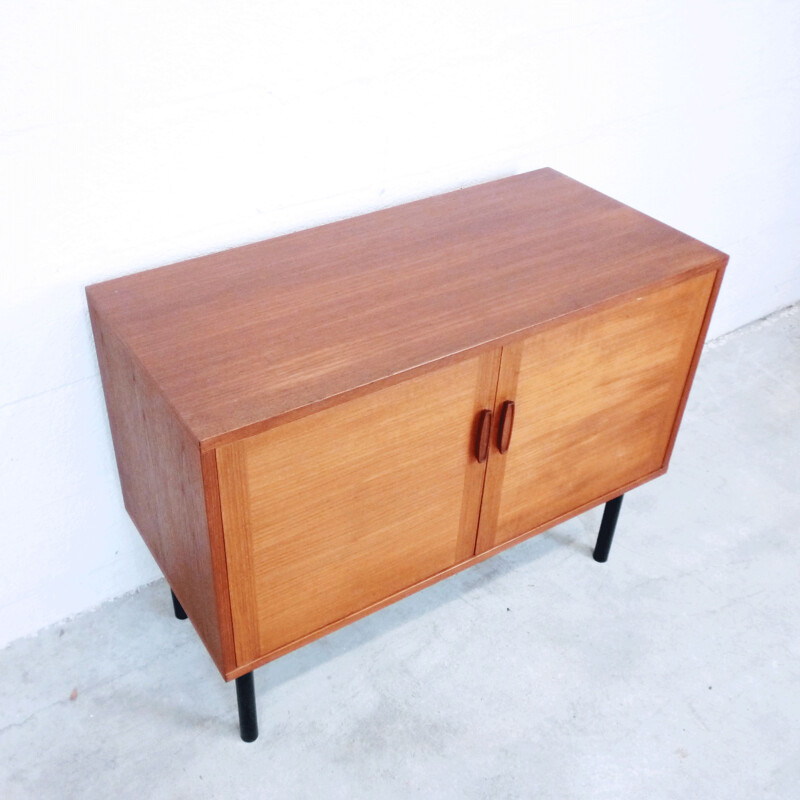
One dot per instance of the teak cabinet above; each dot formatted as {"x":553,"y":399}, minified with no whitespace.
{"x":314,"y":426}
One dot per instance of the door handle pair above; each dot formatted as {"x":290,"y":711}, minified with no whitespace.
{"x":504,"y":430}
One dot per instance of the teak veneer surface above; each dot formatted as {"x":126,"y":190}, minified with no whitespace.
{"x":334,"y":512}
{"x":598,"y":398}
{"x":162,"y":474}
{"x":275,"y":525}
{"x":239,"y":338}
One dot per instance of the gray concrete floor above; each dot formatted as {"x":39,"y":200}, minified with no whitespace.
{"x":672,"y":671}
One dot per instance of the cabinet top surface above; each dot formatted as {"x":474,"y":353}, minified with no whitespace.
{"x":259,"y":331}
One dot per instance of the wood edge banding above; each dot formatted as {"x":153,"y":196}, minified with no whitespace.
{"x":719,"y":271}
{"x":216,"y":538}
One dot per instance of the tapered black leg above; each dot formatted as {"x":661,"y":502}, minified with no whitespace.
{"x":179,"y":612}
{"x":607,"y":528}
{"x":246,"y":698}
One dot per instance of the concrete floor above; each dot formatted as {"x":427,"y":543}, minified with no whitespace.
{"x":672,"y":671}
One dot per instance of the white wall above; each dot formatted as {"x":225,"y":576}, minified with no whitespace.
{"x":135,"y":134}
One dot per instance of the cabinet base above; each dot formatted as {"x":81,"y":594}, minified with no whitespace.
{"x":245,"y":684}
{"x":245,"y":691}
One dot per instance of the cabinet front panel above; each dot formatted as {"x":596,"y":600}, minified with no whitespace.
{"x":596,"y":399}
{"x":329,"y":514}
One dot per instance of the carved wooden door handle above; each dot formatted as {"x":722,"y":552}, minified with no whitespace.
{"x":506,"y":426}
{"x":484,"y":432}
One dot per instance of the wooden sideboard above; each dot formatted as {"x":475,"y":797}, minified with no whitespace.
{"x":314,"y":426}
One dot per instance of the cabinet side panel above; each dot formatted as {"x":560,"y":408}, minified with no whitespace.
{"x":162,"y":483}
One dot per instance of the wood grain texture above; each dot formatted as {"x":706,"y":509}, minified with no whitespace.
{"x":295,"y":421}
{"x":597,"y":399}
{"x":162,"y":484}
{"x":510,"y":358}
{"x":329,"y":514}
{"x":698,"y":349}
{"x":237,"y":339}
{"x":445,"y":573}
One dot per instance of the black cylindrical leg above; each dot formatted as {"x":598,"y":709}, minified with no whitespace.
{"x":179,"y":612}
{"x":246,"y":698}
{"x":607,"y":528}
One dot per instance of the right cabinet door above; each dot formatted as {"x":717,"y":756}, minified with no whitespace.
{"x":596,"y":400}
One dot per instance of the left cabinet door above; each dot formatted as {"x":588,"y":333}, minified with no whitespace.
{"x":327,"y":516}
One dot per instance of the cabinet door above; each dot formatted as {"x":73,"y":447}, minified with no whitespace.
{"x":327,"y":516}
{"x":596,"y":401}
